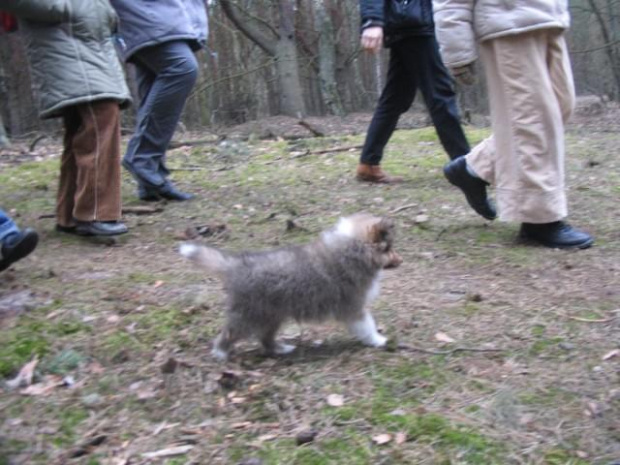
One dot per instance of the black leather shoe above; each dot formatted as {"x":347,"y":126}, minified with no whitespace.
{"x":17,"y":247}
{"x":475,"y":189}
{"x":557,"y":235}
{"x":147,"y":194}
{"x":65,"y":229}
{"x":99,"y":228}
{"x":169,"y":192}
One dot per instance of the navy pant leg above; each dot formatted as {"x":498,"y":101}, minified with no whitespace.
{"x":436,"y":85}
{"x":166,"y":75}
{"x":7,"y":226}
{"x":396,"y":98}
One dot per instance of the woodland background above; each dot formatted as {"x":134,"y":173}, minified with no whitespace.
{"x":302,"y":57}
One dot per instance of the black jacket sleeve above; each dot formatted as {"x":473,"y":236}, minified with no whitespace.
{"x":372,"y":12}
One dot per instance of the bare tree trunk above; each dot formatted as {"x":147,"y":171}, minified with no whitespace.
{"x":379,"y":73}
{"x":279,"y":44}
{"x":327,"y":59}
{"x":4,"y":140}
{"x":610,"y":48}
{"x":291,"y":97}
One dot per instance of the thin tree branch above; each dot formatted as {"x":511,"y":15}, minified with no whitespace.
{"x":594,"y":49}
{"x":252,"y":33}
{"x":232,"y":76}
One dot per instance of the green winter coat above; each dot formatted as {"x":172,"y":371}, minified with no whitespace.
{"x":71,"y":52}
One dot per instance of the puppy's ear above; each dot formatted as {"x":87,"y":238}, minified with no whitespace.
{"x":382,"y":233}
{"x":381,"y":229}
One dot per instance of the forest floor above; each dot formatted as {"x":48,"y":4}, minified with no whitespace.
{"x":500,"y":353}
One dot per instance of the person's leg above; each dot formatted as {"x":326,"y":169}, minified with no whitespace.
{"x":528,"y":134}
{"x":561,"y":74}
{"x":96,"y":149}
{"x":437,"y":87}
{"x":144,"y":81}
{"x":14,"y":243}
{"x":7,"y":226}
{"x":168,"y":73}
{"x":528,"y":129}
{"x":473,"y":172}
{"x":396,"y":98}
{"x":65,"y":199}
{"x":558,"y":233}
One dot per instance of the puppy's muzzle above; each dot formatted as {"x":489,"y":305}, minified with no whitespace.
{"x":391,"y":260}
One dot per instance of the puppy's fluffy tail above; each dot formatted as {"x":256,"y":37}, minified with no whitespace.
{"x":211,"y":259}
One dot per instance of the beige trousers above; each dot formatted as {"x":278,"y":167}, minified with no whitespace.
{"x":532,"y":94}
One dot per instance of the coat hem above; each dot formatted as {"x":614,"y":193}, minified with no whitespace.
{"x":522,"y":30}
{"x":195,"y":44}
{"x":57,"y":110}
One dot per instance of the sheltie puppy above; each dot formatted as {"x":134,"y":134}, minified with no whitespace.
{"x":334,"y":277}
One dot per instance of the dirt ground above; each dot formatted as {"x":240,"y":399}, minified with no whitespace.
{"x":500,"y":353}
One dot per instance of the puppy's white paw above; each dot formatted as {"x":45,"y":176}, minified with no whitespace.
{"x":377,"y":340}
{"x":188,"y":250}
{"x":219,"y":354}
{"x":283,"y":349}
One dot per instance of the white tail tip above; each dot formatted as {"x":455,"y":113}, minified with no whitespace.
{"x":188,"y":250}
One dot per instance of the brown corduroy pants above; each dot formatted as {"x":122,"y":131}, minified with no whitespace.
{"x":90,"y":170}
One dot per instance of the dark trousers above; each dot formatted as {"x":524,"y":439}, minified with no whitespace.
{"x":90,"y":168}
{"x":415,"y":63}
{"x":166,"y":74}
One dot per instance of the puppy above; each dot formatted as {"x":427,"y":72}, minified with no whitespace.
{"x":335,"y":277}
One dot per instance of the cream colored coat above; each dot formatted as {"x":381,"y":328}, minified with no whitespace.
{"x":460,"y":23}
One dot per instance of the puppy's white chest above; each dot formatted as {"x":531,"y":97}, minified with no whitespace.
{"x":373,"y":291}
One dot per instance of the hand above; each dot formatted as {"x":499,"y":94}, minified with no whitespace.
{"x":372,"y":39}
{"x":464,"y":75}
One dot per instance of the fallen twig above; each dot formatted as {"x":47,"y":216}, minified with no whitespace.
{"x":588,"y":320}
{"x":445,"y":352}
{"x":193,"y":143}
{"x":404,"y":207}
{"x":330,"y":150}
{"x":190,"y":168}
{"x":316,"y":132}
{"x":338,"y":149}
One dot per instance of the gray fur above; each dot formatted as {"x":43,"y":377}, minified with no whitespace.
{"x":328,"y":279}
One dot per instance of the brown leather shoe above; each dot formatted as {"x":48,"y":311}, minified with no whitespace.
{"x":374,"y":173}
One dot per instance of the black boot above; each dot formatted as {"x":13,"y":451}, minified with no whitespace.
{"x":147,"y":194}
{"x":18,"y":246}
{"x":94,"y":228}
{"x":475,"y":189}
{"x":557,"y":235}
{"x":169,"y":192}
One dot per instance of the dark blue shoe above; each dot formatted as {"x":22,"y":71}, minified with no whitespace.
{"x":556,"y":235}
{"x":147,"y":194}
{"x":94,"y":228}
{"x":167,"y":192}
{"x":475,"y":189}
{"x":18,"y":246}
